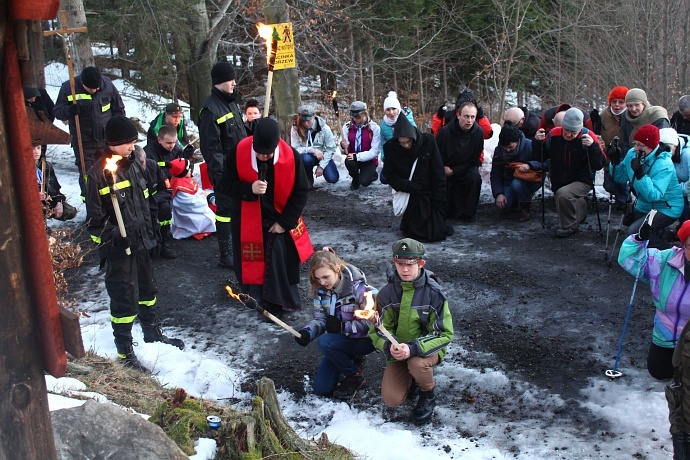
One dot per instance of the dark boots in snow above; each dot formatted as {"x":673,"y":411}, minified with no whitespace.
{"x":525,"y":212}
{"x":681,"y":446}
{"x":125,"y":354}
{"x":153,"y":333}
{"x":224,"y":244}
{"x":425,"y":407}
{"x":167,"y":251}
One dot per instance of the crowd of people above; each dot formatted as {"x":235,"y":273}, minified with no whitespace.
{"x":255,"y":187}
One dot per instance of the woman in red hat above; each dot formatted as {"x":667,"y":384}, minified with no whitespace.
{"x":649,"y":169}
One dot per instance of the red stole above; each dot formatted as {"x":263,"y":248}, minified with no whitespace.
{"x":251,"y":232}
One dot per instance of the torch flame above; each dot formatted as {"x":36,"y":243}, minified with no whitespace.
{"x":334,"y":94}
{"x":368,"y":312}
{"x":266,"y":32}
{"x":111,"y":163}
{"x":231,"y":293}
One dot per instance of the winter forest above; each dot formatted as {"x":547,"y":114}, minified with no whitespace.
{"x":568,"y":51}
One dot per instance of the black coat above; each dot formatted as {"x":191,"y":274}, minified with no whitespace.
{"x":220,"y":129}
{"x":680,"y":124}
{"x":425,"y":217}
{"x":94,"y":111}
{"x":460,"y":149}
{"x":571,"y":161}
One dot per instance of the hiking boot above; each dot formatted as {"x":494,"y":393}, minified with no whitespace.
{"x":359,"y":361}
{"x":167,"y":251}
{"x":565,"y":232}
{"x":525,"y":212}
{"x":225,"y":244}
{"x":413,"y":391}
{"x":126,"y":356}
{"x":425,"y":407}
{"x":350,"y":385}
{"x":310,"y":181}
{"x":681,"y":446}
{"x":153,"y":333}
{"x":355,"y":184}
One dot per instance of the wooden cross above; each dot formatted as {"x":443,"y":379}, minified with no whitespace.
{"x":67,"y":35}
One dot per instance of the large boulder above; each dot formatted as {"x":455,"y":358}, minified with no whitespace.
{"x":103,"y":431}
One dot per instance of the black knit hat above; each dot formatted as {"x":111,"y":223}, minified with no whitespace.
{"x":91,"y":77}
{"x":509,"y":133}
{"x":30,"y":92}
{"x":466,"y":95}
{"x":120,"y":130}
{"x":222,"y":72}
{"x":266,"y":136}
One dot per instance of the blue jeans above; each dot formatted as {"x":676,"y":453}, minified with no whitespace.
{"x":338,"y":352}
{"x":521,"y":190}
{"x":330,"y":173}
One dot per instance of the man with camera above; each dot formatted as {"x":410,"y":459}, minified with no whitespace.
{"x":649,"y":169}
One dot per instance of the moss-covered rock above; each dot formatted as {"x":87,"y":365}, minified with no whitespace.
{"x":182,"y":424}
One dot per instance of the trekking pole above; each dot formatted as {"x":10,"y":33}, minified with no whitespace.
{"x":615,"y":373}
{"x":594,"y":192}
{"x":543,"y":181}
{"x":608,"y":226}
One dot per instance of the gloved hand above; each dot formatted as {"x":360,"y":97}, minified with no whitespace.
{"x":74,"y":110}
{"x":441,"y":112}
{"x":188,"y":151}
{"x":614,"y":154}
{"x":120,"y":242}
{"x":480,"y":113}
{"x":303,"y":338}
{"x":638,"y":167}
{"x":211,"y":198}
{"x":646,"y":228}
{"x":333,"y":325}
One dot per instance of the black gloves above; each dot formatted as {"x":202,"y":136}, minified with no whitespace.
{"x":638,"y":167}
{"x":646,"y":229}
{"x":614,"y":154}
{"x":303,"y":338}
{"x":120,"y":242}
{"x":333,"y":325}
{"x":441,"y":112}
{"x":73,"y":110}
{"x":188,"y":152}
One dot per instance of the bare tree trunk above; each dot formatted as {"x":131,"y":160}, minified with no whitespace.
{"x":286,"y":93}
{"x":29,"y":38}
{"x":76,"y":17}
{"x":444,"y":80}
{"x":372,"y":80}
{"x":197,"y":69}
{"x":420,"y":79}
{"x":360,"y":76}
{"x":351,"y":48}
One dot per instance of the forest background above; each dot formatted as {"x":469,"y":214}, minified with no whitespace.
{"x":534,"y":53}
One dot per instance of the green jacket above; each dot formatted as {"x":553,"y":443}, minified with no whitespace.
{"x":415,"y":313}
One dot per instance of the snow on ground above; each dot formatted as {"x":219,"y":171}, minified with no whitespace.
{"x":634,"y":405}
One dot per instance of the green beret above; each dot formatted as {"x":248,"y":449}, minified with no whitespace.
{"x":407,"y":247}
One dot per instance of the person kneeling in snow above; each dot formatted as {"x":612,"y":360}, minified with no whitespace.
{"x":414,"y":309}
{"x":191,"y":215}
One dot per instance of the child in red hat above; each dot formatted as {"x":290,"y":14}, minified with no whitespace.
{"x":191,"y":215}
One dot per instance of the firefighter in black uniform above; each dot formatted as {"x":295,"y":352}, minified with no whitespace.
{"x":220,"y":129}
{"x":97,"y":102}
{"x":164,"y":150}
{"x":129,"y":279}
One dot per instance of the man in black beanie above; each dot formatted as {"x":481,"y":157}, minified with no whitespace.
{"x":268,"y":185}
{"x":220,"y":129}
{"x":514,"y":152}
{"x":96,"y":101}
{"x":129,"y":277}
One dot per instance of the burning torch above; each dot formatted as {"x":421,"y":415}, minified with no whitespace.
{"x":334,"y":101}
{"x":249,"y":301}
{"x":371,"y":315}
{"x":109,"y":174}
{"x":270,"y":34}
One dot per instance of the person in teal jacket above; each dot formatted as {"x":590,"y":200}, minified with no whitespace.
{"x":668,"y":274}
{"x":412,"y":308}
{"x":649,"y":169}
{"x":392,"y":109}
